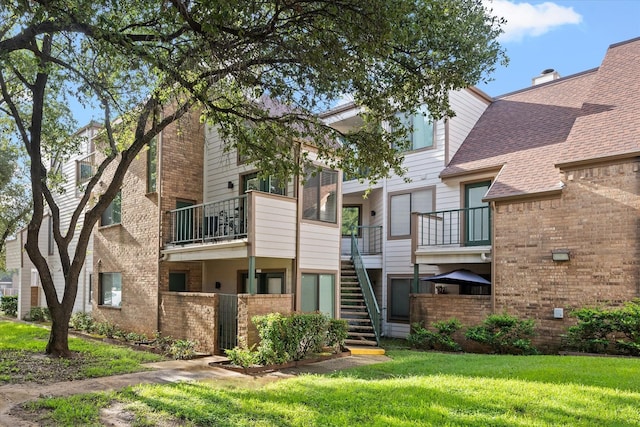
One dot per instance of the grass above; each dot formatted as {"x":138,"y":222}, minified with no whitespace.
{"x":22,"y":347}
{"x":415,"y":388}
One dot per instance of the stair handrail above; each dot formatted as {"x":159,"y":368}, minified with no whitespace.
{"x":367,"y":290}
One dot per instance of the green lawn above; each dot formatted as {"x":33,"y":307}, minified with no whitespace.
{"x":21,"y":357}
{"x":415,"y":388}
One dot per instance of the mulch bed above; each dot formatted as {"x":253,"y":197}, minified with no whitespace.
{"x":226,"y":364}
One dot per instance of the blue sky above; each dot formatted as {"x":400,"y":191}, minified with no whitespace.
{"x":568,"y":36}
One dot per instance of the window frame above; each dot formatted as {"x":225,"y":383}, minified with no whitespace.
{"x":185,"y":273}
{"x":404,"y":118}
{"x":318,"y":293}
{"x":110,"y":209}
{"x":152,"y":165}
{"x":267,"y":183}
{"x":351,"y":206}
{"x":391,"y":317}
{"x":410,"y":192}
{"x":317,"y":176}
{"x":101,"y":294}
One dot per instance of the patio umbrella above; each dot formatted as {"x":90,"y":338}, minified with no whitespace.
{"x":459,"y":277}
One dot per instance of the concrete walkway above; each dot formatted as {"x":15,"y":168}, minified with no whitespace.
{"x":162,"y":373}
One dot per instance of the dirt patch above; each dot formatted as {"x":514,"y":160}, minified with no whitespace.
{"x":18,"y":367}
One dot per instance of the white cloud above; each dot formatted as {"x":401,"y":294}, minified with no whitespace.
{"x":526,"y":19}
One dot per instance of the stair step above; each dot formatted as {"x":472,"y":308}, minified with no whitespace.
{"x":360,"y":342}
{"x":353,"y":313}
{"x":356,"y":335}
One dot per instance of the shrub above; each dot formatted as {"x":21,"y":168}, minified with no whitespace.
{"x":606,"y":331}
{"x":591,"y":332}
{"x":423,"y":338}
{"x":337,"y":333}
{"x":108,"y":329}
{"x":289,"y":338}
{"x":505,"y":334}
{"x":38,"y":314}
{"x":135,"y":337}
{"x":183,"y":349}
{"x":82,"y":321}
{"x":9,"y":305}
{"x":243,"y":356}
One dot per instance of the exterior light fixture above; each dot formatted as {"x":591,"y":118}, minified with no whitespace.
{"x":230,"y":184}
{"x":560,"y":255}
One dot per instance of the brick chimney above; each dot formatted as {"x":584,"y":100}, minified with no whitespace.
{"x":545,"y":76}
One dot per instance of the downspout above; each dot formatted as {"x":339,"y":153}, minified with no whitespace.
{"x":159,"y":217}
{"x":492,"y":206}
{"x":295,"y":273}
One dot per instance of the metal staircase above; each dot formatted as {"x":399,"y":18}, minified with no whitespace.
{"x":353,"y":308}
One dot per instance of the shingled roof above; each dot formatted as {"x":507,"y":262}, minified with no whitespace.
{"x":579,"y":118}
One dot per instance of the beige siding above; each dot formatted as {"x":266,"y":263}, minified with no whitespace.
{"x":319,"y":246}
{"x":222,"y":168}
{"x":275,"y":226}
{"x":13,"y":252}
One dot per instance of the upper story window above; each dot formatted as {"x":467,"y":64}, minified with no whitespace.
{"x":152,"y":166}
{"x":351,"y":219}
{"x":85,"y":169}
{"x":400,"y":207}
{"x":269,"y":185}
{"x":113,"y":213}
{"x":420,"y":133}
{"x":320,"y":196}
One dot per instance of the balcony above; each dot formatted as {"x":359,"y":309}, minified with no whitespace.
{"x":457,"y":236}
{"x":254,"y":224}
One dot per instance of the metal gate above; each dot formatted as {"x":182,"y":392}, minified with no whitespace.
{"x":227,"y":321}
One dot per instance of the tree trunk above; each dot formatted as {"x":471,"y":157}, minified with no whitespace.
{"x":58,"y":345}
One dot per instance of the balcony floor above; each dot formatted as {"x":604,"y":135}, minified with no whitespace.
{"x":436,"y":255}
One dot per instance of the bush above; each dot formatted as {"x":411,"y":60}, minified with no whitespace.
{"x":243,"y":356}
{"x":9,"y":305}
{"x":38,"y":314}
{"x":183,"y":349}
{"x":82,"y":321}
{"x":337,"y":333}
{"x":591,"y":332}
{"x":423,"y":338}
{"x":289,"y":338}
{"x":108,"y":329}
{"x":505,"y":334}
{"x":606,"y":331}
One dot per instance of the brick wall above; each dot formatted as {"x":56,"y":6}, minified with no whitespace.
{"x":470,"y":310}
{"x":597,"y":219}
{"x":192,"y":316}
{"x":254,"y":305}
{"x":133,"y":247}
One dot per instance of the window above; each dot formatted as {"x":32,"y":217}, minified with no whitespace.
{"x":420,"y":129}
{"x":351,"y":219}
{"x":478,"y":221}
{"x":267,"y":283}
{"x":399,"y":299}
{"x":317,"y":293}
{"x":268,"y":185}
{"x":152,"y":166}
{"x":401,"y":206}
{"x":178,"y":281}
{"x":51,"y":241}
{"x":85,"y":169}
{"x":110,"y":289}
{"x":320,"y":196}
{"x":112,"y":215}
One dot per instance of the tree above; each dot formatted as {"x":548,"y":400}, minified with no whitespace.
{"x":15,"y":200}
{"x":257,"y":70}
